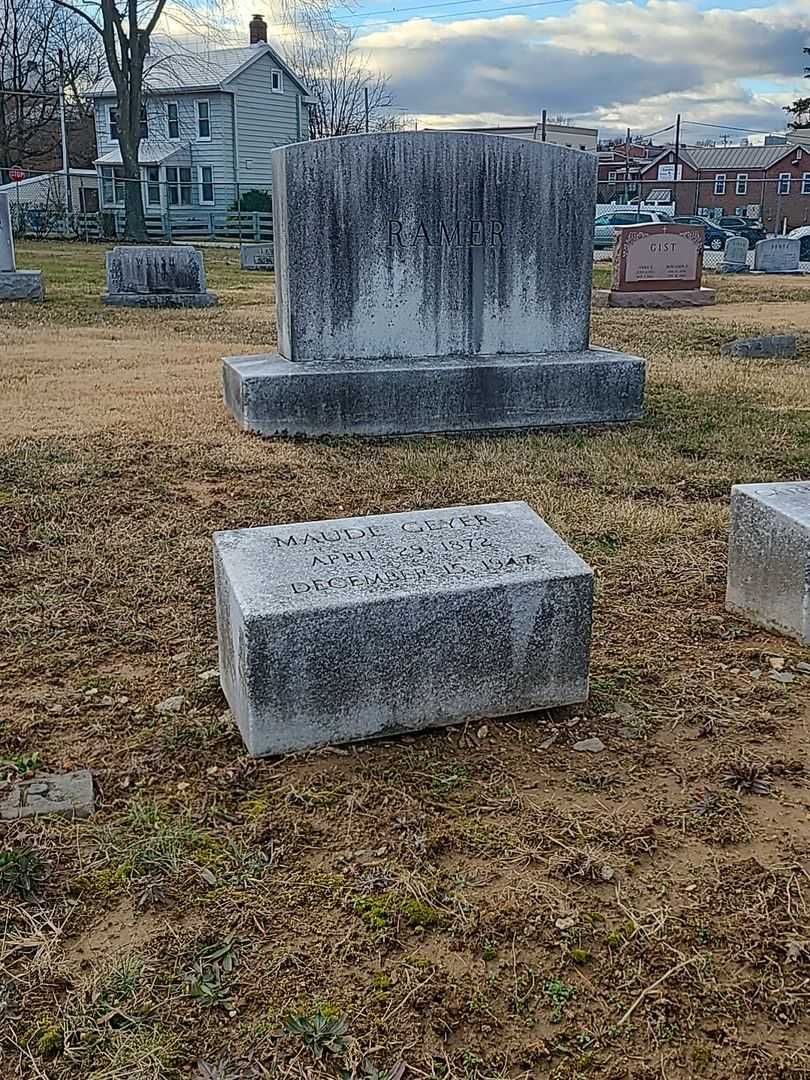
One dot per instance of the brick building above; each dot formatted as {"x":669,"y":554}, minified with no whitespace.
{"x":768,"y":183}
{"x":615,"y":181}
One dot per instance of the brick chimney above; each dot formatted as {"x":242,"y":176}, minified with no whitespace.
{"x":258,"y":30}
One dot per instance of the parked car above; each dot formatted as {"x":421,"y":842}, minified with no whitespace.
{"x":605,"y":224}
{"x":753,"y":231}
{"x":803,"y":234}
{"x":714,"y":237}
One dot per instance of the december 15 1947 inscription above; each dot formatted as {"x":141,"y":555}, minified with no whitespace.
{"x":336,"y":630}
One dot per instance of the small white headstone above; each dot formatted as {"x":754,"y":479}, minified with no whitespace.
{"x":735,"y":252}
{"x":256,"y":256}
{"x":779,"y":255}
{"x":7,"y":263}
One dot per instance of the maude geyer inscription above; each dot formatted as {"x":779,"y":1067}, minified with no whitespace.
{"x":334,"y":630}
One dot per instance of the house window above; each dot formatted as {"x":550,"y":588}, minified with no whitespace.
{"x":806,"y":183}
{"x":276,"y":81}
{"x":173,"y":120}
{"x":206,"y":184}
{"x":112,"y":185}
{"x":153,"y":185}
{"x":720,"y":184}
{"x":783,"y":186}
{"x":203,"y":120}
{"x":178,"y":185}
{"x":742,"y":184}
{"x":113,"y":114}
{"x":611,"y":177}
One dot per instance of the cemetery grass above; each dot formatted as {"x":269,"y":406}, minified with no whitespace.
{"x":470,"y":903}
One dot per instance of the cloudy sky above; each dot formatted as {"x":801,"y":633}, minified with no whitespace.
{"x":609,"y":63}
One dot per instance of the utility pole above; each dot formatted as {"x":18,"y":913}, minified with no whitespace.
{"x":63,"y":126}
{"x":627,"y":168}
{"x":543,"y":126}
{"x":677,"y":151}
{"x":365,"y":99}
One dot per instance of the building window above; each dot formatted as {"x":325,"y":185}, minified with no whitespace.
{"x":153,"y":185}
{"x":203,"y":120}
{"x":173,"y":120}
{"x":806,"y":183}
{"x":112,"y":185}
{"x":178,"y":185}
{"x":206,"y":173}
{"x":783,"y":187}
{"x":611,"y":177}
{"x":742,"y":184}
{"x":276,"y":81}
{"x":720,"y":184}
{"x":113,"y":115}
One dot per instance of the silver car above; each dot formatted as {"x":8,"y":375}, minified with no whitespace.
{"x":604,"y":226}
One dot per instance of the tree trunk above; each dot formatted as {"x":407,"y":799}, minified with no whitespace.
{"x":134,"y":219}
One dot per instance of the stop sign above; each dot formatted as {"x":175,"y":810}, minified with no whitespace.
{"x":16,"y":173}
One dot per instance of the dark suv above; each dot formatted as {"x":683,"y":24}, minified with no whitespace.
{"x":753,"y":231}
{"x":713,"y":237}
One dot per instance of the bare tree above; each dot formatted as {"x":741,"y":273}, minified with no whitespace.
{"x":347,"y":92}
{"x":800,"y":109}
{"x":126,"y":30}
{"x":33,"y":34}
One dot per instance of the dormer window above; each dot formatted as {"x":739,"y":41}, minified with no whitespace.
{"x":276,"y":81}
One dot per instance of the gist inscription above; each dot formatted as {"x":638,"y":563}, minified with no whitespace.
{"x":340,"y":629}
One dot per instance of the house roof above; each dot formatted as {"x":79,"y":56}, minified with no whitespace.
{"x":167,"y":72}
{"x":150,"y":152}
{"x":708,"y":158}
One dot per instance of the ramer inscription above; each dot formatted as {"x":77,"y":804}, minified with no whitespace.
{"x":469,"y":232}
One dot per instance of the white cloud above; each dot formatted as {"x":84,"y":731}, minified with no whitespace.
{"x":613,"y":64}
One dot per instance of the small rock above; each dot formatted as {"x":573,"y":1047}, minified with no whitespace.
{"x":171,"y":704}
{"x":590,"y":746}
{"x":803,"y":667}
{"x":565,"y":924}
{"x":776,"y":663}
{"x":210,"y":675}
{"x":607,"y":873}
{"x":755,"y":674}
{"x":546,"y":743}
{"x":482,"y":732}
{"x":107,"y":700}
{"x":782,"y":676}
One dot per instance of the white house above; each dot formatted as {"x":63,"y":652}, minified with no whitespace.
{"x":209,"y":123}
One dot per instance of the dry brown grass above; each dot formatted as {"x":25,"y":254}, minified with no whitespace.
{"x":444,"y":893}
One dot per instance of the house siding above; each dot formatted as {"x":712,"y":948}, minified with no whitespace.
{"x":265,"y":120}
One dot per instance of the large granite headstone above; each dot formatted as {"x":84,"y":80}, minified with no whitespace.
{"x":256,"y":256}
{"x":433,"y":281}
{"x":162,"y":277}
{"x":15,"y":284}
{"x":769,"y":556}
{"x":331,"y":631}
{"x":658,"y":265}
{"x":778,"y":255}
{"x":735,"y":256}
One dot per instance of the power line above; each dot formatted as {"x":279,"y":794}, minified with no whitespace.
{"x":732,"y":127}
{"x":448,"y":3}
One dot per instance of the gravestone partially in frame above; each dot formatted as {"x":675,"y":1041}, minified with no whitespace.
{"x":256,"y":256}
{"x":15,"y":284}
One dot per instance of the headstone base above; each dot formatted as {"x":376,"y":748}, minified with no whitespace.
{"x":732,"y":268}
{"x":21,"y":285}
{"x":331,"y":631}
{"x":655,"y":298}
{"x":780,"y":273}
{"x":160,"y":300}
{"x":274,"y":396}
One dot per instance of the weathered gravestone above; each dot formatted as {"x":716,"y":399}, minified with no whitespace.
{"x":15,"y":284}
{"x":67,"y":794}
{"x":434,"y":281}
{"x":778,"y":255}
{"x":331,"y":631}
{"x":658,"y":265}
{"x":256,"y":256}
{"x":163,"y":277}
{"x":769,"y":557}
{"x":735,"y":256}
